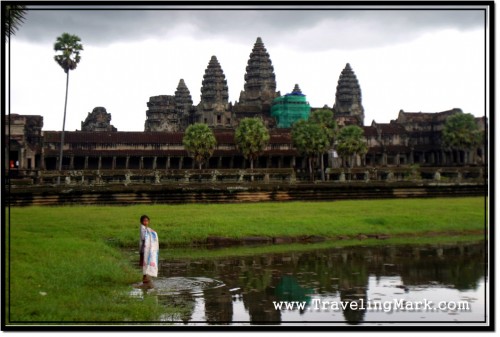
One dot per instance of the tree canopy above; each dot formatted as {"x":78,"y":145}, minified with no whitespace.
{"x":251,"y":137}
{"x":351,"y":141}
{"x":310,"y":139}
{"x":200,"y":142}
{"x":461,"y":132}
{"x":14,"y":16}
{"x":324,"y":117}
{"x":69,"y":47}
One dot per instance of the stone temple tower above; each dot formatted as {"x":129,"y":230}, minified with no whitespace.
{"x":161,"y":114}
{"x":98,"y":120}
{"x":260,"y":84}
{"x":347,"y":107}
{"x":184,"y":105}
{"x":214,"y":108}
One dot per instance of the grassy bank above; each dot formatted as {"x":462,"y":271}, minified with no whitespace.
{"x":66,"y":263}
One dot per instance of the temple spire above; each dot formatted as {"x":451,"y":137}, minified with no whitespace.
{"x":296,"y":90}
{"x":213,"y":108}
{"x":347,"y":107}
{"x":260,"y":80}
{"x":183,"y":104}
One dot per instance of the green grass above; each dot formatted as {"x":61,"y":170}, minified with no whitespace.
{"x":68,"y":263}
{"x":205,"y":253}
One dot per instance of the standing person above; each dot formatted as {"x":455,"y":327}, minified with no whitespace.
{"x":148,"y":251}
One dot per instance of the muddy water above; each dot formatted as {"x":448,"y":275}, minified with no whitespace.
{"x":356,"y":285}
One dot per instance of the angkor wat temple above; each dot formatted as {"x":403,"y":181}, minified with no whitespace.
{"x":413,"y":138}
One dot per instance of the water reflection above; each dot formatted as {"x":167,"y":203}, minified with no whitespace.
{"x":245,"y":289}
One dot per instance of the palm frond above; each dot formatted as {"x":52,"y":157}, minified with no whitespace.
{"x":14,"y":18}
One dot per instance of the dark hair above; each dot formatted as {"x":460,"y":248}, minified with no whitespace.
{"x":144,"y":217}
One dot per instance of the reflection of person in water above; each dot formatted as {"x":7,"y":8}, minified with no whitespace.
{"x":148,"y":251}
{"x":354,"y":295}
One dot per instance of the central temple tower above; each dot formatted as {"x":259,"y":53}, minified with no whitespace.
{"x":347,"y":107}
{"x":260,"y":84}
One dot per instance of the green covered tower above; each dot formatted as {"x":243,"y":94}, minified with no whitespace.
{"x":290,"y":108}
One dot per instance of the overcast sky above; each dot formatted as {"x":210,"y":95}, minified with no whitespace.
{"x":412,"y":59}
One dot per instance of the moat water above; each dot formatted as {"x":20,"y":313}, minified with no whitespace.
{"x":399,"y":284}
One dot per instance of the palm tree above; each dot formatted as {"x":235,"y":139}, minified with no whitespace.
{"x":68,"y":48}
{"x":200,"y":142}
{"x":251,"y":137}
{"x":350,"y":142}
{"x":14,"y":17}
{"x":461,"y":132}
{"x":324,"y":117}
{"x":310,"y":139}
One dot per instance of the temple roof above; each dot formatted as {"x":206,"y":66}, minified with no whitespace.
{"x":133,"y":137}
{"x":296,"y":91}
{"x":425,"y":117}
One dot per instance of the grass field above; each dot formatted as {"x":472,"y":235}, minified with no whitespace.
{"x":67,"y":263}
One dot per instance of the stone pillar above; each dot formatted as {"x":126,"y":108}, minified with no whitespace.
{"x":86,"y":163}
{"x":219,"y":163}
{"x":127,"y":161}
{"x":231,"y":163}
{"x":168,"y":163}
{"x":181,"y":162}
{"x":99,"y":163}
{"x":113,"y":163}
{"x":72,"y":162}
{"x":141,"y":163}
{"x":22,"y":164}
{"x":154,"y":163}
{"x":42,"y":161}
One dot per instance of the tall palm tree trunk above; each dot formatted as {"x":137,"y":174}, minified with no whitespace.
{"x":62,"y":133}
{"x":251,"y":168}
{"x":322,"y":167}
{"x":311,"y":173}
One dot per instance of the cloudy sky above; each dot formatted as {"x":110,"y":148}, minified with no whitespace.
{"x":414,"y":59}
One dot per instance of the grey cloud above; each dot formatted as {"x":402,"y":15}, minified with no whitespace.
{"x":344,"y":28}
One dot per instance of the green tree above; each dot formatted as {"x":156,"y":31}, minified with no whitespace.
{"x":350,"y":142}
{"x":14,"y":16}
{"x":200,"y":142}
{"x":310,"y":139}
{"x":324,"y":117}
{"x":251,"y":137}
{"x":68,"y":48}
{"x":461,"y":132}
